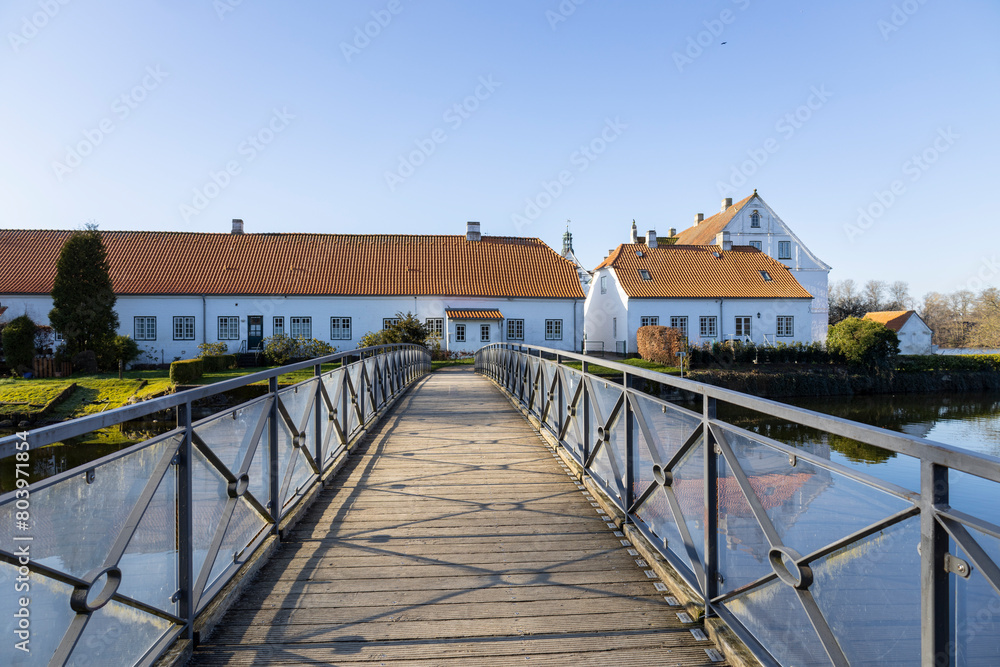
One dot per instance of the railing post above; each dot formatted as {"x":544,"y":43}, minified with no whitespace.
{"x":317,"y":417}
{"x":629,"y":445}
{"x":344,"y":421}
{"x":185,"y":522}
{"x":711,"y":519}
{"x":272,"y":456}
{"x":934,"y":580}
{"x":586,"y":414}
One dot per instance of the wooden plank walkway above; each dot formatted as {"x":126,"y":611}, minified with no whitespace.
{"x":453,"y":537}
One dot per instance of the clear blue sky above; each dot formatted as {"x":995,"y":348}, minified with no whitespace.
{"x":118,"y":112}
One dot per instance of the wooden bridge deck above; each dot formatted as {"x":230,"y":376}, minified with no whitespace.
{"x":453,"y":537}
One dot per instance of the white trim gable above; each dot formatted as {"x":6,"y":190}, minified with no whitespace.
{"x":771,"y":223}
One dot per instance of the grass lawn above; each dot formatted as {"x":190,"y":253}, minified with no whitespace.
{"x":435,"y":365}
{"x":34,"y":393}
{"x":597,"y":369}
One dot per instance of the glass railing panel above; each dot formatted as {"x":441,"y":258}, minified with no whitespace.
{"x":50,"y":615}
{"x":209,"y":491}
{"x":669,"y":427}
{"x":229,"y":434}
{"x":75,"y":523}
{"x":809,"y":505}
{"x":244,"y":526}
{"x":118,"y":634}
{"x":976,"y":627}
{"x":688,"y":486}
{"x":260,"y":469}
{"x":655,"y":513}
{"x":966,"y":493}
{"x":741,"y":545}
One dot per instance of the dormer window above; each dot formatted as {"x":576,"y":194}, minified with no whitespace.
{"x":765,"y":275}
{"x":755,"y":220}
{"x":644,"y":274}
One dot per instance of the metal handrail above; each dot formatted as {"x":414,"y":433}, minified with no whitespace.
{"x":263,"y":456}
{"x":611,"y":431}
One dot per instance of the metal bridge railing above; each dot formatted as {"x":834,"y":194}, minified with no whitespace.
{"x":807,"y":561}
{"x":121,"y":555}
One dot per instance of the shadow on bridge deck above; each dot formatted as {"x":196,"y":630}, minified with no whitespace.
{"x":453,"y":536}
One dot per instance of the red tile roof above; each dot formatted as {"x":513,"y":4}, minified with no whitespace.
{"x":701,"y":272}
{"x":288,"y":264}
{"x":893,"y":319}
{"x":704,"y":233}
{"x":473,"y":314}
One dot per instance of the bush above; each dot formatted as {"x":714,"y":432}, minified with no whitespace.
{"x":212,"y":349}
{"x":19,"y":342}
{"x":217,"y":362}
{"x":659,"y":344}
{"x":186,"y":371}
{"x":949,"y":362}
{"x":124,"y":349}
{"x":864,"y":343}
{"x":281,"y":349}
{"x":85,"y":362}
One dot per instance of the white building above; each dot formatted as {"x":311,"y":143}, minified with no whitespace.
{"x":710,"y":293}
{"x":914,"y":334}
{"x":567,"y":252}
{"x":176,"y":290}
{"x":751,"y":222}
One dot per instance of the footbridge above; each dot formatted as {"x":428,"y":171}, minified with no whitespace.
{"x":529,"y":511}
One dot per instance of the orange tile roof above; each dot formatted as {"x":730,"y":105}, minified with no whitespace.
{"x":289,"y":264}
{"x":893,"y":319}
{"x":702,"y":272}
{"x":473,"y":314}
{"x":704,"y":233}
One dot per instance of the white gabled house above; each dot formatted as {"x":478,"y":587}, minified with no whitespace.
{"x":914,"y":334}
{"x":751,"y":222}
{"x":710,"y":293}
{"x":176,"y":290}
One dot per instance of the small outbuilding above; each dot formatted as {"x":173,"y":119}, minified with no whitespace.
{"x":914,"y":334}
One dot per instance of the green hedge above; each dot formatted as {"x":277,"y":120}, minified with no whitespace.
{"x":218,"y":362}
{"x":730,"y":352}
{"x":949,"y":362}
{"x":186,"y":371}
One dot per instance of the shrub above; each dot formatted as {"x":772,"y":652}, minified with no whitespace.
{"x":659,"y":344}
{"x":186,"y":371}
{"x":864,"y":343}
{"x":19,"y":342}
{"x":212,"y":349}
{"x":281,"y":349}
{"x":217,"y":362}
{"x":124,"y":349}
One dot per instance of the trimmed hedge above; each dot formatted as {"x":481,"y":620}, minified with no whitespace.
{"x":218,"y":362}
{"x":948,"y":362}
{"x":186,"y":371}
{"x":659,"y":344}
{"x":730,"y":352}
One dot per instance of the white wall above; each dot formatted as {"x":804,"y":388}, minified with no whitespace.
{"x":915,"y":337}
{"x":604,"y":308}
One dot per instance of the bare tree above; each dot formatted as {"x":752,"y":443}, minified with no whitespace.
{"x":845,"y":301}
{"x":899,"y":296}
{"x":873,"y":295}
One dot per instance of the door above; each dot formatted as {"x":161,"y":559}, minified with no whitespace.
{"x":255,"y":331}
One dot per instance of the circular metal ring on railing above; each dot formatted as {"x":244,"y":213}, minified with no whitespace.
{"x":601,"y":433}
{"x":662,"y":477}
{"x":239,"y":486}
{"x":79,"y":599}
{"x":571,"y":410}
{"x":798,"y":576}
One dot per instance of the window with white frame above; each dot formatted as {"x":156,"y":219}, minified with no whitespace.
{"x":434,"y":326}
{"x":755,"y":219}
{"x":460,"y":333}
{"x":145,"y":328}
{"x":183,"y":327}
{"x":278,"y":326}
{"x":604,"y":284}
{"x":742,"y":325}
{"x":484,"y":333}
{"x":680,"y":322}
{"x":755,"y":244}
{"x":300,"y":327}
{"x":649,"y":321}
{"x":389,"y":322}
{"x":708,"y":326}
{"x":785,"y":326}
{"x":340,"y":328}
{"x":229,"y":327}
{"x":784,"y":249}
{"x":553,"y":329}
{"x":515,"y":329}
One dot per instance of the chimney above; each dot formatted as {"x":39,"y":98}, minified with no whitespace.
{"x":472,"y":232}
{"x":698,"y":217}
{"x":237,"y":226}
{"x":723,"y":241}
{"x":635,"y":234}
{"x":672,"y":232}
{"x":651,"y":238}
{"x":726,"y":203}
